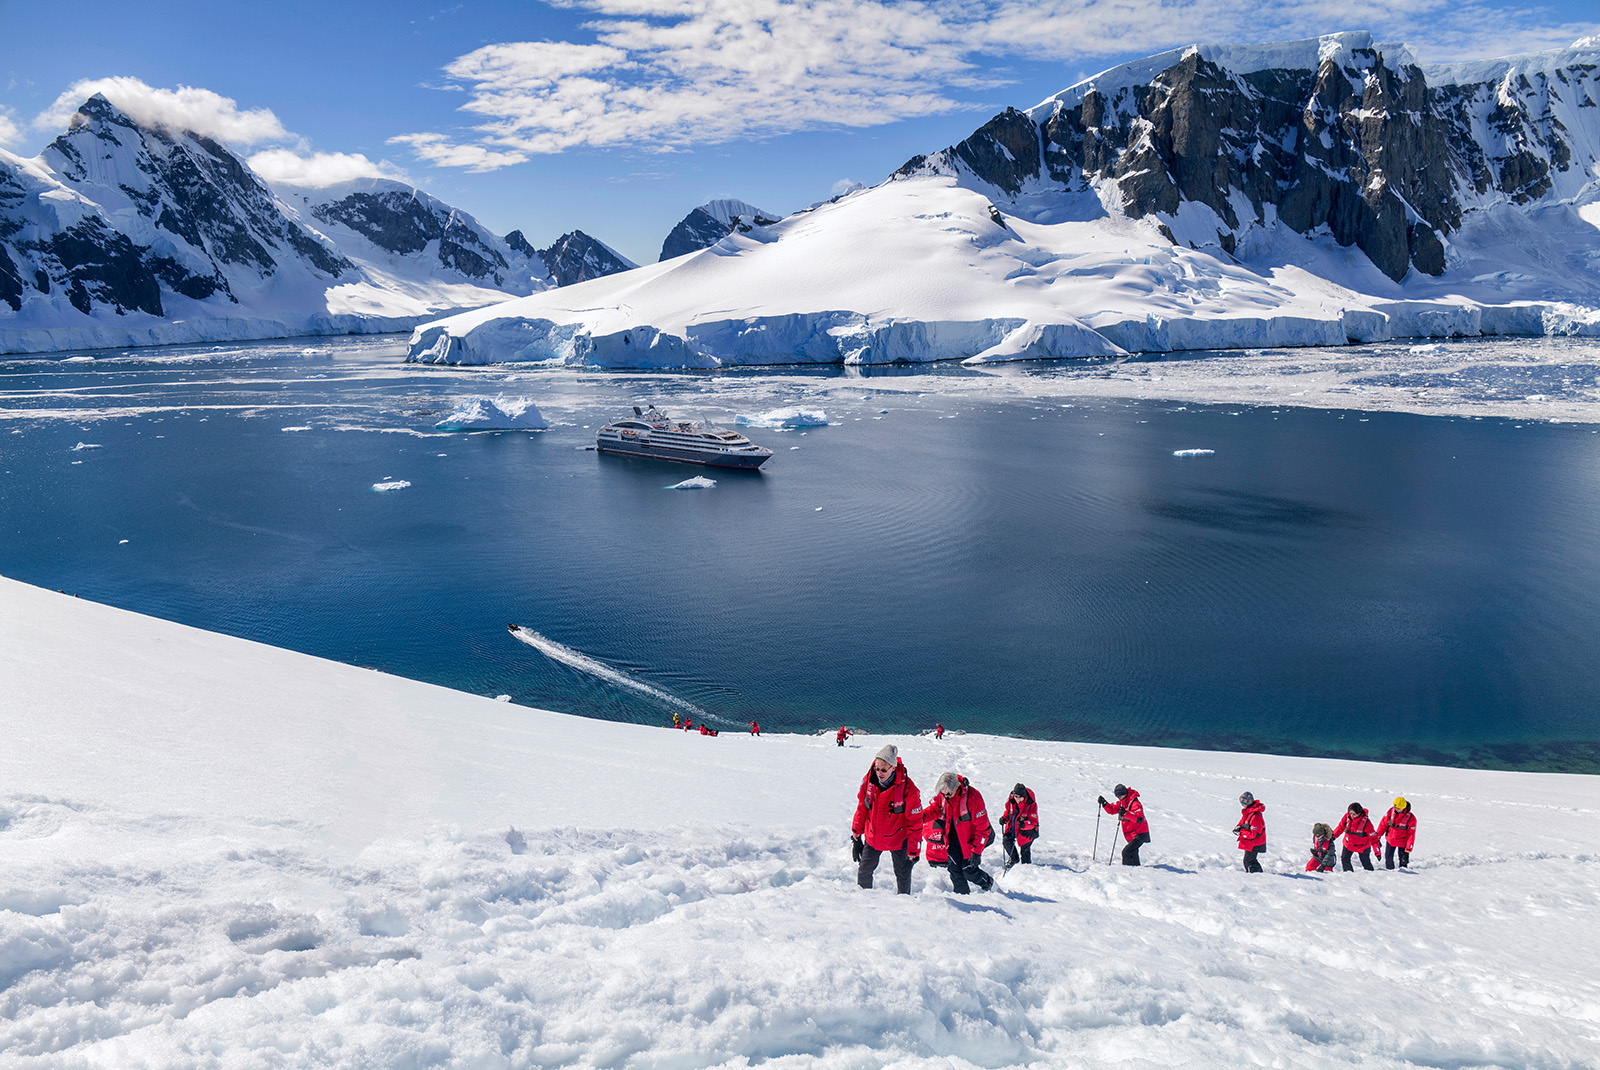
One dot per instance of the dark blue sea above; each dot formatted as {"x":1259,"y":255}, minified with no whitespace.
{"x":983,"y":551}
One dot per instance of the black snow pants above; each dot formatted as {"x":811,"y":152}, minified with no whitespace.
{"x":1366,"y":860}
{"x":869,"y":863}
{"x":1252,"y":859}
{"x":1390,"y":850}
{"x":1009,"y":842}
{"x":963,"y":870}
{"x":1130,"y":853}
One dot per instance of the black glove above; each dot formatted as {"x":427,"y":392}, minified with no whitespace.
{"x":1103,"y":801}
{"x":855,"y":848}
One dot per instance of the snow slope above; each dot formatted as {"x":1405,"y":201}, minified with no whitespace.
{"x":220,"y":854}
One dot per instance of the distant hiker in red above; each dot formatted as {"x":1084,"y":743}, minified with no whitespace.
{"x":1252,"y":831}
{"x":1401,"y":826}
{"x":688,"y":725}
{"x":962,"y":821}
{"x":1134,"y":827}
{"x":1323,"y":854}
{"x":1019,"y":826}
{"x":1358,"y":837}
{"x":888,"y":818}
{"x":844,"y":734}
{"x":938,"y":731}
{"x":705,"y":731}
{"x":755,"y":729}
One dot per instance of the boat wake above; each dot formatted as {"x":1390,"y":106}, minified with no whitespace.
{"x":584,"y":663}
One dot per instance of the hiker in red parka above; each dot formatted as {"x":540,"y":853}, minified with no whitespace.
{"x":755,"y":729}
{"x":1358,"y":837}
{"x":963,"y":820}
{"x":938,"y":731}
{"x":1401,"y":825}
{"x":1323,"y":855}
{"x":1134,"y":827}
{"x":1252,"y":830}
{"x":844,"y":733}
{"x":1019,"y":825}
{"x":888,"y":818}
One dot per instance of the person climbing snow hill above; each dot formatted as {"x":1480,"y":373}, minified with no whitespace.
{"x":1358,"y":837}
{"x":1252,"y":831}
{"x":843,"y":734}
{"x":1134,"y":827}
{"x":888,"y":818}
{"x":1400,"y":825}
{"x":1324,"y":856}
{"x":967,"y":831}
{"x":1019,"y":826}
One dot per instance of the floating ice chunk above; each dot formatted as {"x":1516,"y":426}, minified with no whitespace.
{"x":85,"y":446}
{"x":394,"y":484}
{"x":694,"y":483}
{"x":784,"y":418}
{"x":78,"y":360}
{"x":122,"y":542}
{"x":498,"y":413}
{"x":502,"y":698}
{"x":290,"y":428}
{"x":1193,"y":453}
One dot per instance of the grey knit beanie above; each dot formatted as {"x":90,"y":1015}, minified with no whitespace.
{"x":889,"y":753}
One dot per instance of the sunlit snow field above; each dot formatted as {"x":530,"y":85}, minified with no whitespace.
{"x":218,"y":854}
{"x":1380,"y":551}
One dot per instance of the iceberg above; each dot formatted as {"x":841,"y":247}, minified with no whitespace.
{"x":694,"y":483}
{"x":783,"y":418}
{"x":498,"y":413}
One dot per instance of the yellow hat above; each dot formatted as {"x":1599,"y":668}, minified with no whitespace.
{"x":1401,"y":804}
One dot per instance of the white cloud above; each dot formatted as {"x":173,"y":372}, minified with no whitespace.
{"x":440,"y":150}
{"x":10,"y":132}
{"x":669,"y":74}
{"x":184,"y":108}
{"x":318,"y":169}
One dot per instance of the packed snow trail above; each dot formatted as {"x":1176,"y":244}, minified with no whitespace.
{"x":584,"y":663}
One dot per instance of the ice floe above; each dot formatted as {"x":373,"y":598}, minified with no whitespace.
{"x":783,"y":418}
{"x":695,"y":483}
{"x":498,"y":413}
{"x":393,"y":484}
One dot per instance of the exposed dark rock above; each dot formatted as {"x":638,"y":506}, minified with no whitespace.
{"x":1359,"y":148}
{"x":10,"y":282}
{"x":701,"y":229}
{"x":517,"y":243}
{"x":576,"y":257}
{"x":398,"y":221}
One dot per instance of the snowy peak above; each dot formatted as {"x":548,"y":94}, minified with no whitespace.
{"x":576,"y":257}
{"x":184,"y":193}
{"x":127,"y":233}
{"x":711,"y":222}
{"x":1338,"y":134}
{"x":389,"y":222}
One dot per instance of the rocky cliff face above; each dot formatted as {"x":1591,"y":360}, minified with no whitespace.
{"x":710,"y":223}
{"x":1338,"y":135}
{"x":576,"y":257}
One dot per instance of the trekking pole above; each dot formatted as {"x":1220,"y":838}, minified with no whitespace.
{"x":1095,"y":856}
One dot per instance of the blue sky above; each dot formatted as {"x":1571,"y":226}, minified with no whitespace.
{"x":618,"y":116}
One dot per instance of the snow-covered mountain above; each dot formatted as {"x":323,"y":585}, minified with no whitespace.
{"x":575,"y":257}
{"x":710,"y":223}
{"x":122,"y":233}
{"x":1304,"y":193}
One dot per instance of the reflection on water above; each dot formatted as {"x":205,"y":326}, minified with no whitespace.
{"x":989,"y":548}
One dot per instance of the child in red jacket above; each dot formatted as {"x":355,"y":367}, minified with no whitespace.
{"x":1252,"y":831}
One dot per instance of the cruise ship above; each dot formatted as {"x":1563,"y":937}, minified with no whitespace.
{"x":650,"y":433}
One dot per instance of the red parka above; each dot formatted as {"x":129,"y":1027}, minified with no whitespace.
{"x":1132,"y":811}
{"x":1323,"y":857}
{"x":889,"y":816}
{"x":1021,"y":818}
{"x":1252,"y":826}
{"x":1401,"y":825}
{"x":1358,"y":833}
{"x":969,"y":817}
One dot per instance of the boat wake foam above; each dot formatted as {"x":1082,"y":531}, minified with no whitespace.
{"x":584,"y":663}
